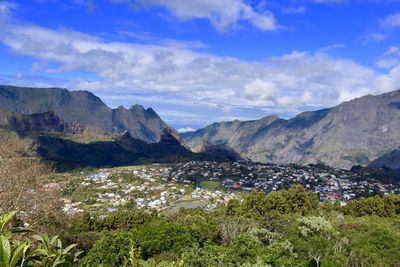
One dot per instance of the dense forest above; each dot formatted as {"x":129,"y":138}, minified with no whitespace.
{"x":284,"y":228}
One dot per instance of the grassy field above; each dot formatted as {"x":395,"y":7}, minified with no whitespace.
{"x":186,"y":204}
{"x":211,"y":185}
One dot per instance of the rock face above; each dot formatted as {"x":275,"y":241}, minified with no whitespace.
{"x":84,"y":108}
{"x":352,"y":133}
{"x":47,"y":122}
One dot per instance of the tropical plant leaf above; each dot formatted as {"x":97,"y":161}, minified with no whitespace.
{"x":18,"y":254}
{"x":5,"y":249}
{"x":5,"y":219}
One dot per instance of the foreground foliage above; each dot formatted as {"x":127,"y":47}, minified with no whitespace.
{"x":19,"y":246}
{"x":286,"y":228}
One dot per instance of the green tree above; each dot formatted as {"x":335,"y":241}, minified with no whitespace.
{"x":317,"y":238}
{"x":112,"y":249}
{"x":161,"y":236}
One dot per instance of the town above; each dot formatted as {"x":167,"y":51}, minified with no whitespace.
{"x":329,"y":183}
{"x":169,"y":187}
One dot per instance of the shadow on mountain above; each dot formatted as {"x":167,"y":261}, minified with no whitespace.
{"x":384,"y":174}
{"x":52,"y":136}
{"x":67,"y":154}
{"x":124,"y":151}
{"x":385,"y":168}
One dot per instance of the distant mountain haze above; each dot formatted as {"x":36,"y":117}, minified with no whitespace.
{"x":84,"y":108}
{"x":353,"y":133}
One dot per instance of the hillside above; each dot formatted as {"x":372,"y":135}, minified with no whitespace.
{"x":390,"y":160}
{"x":352,"y":133}
{"x":84,"y":108}
{"x":39,"y":122}
{"x":71,"y":145}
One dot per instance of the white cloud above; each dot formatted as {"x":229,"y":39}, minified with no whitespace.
{"x":5,"y":13}
{"x":327,"y":1}
{"x":6,"y":7}
{"x":390,"y":59}
{"x":391,"y":21}
{"x":38,"y":66}
{"x":378,"y":37}
{"x":184,"y":78}
{"x":294,"y":10}
{"x":223,"y":14}
{"x":18,"y":75}
{"x":261,"y":91}
{"x":186,"y":130}
{"x":331,"y":48}
{"x":385,"y":27}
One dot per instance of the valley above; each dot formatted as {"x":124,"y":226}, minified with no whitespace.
{"x":199,"y":133}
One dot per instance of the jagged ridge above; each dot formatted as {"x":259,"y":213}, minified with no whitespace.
{"x":84,"y":108}
{"x":352,"y":133}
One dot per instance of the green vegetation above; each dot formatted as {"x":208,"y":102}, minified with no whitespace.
{"x":211,"y":185}
{"x":284,"y":228}
{"x":21,"y":247}
{"x":358,"y":157}
{"x":87,"y":137}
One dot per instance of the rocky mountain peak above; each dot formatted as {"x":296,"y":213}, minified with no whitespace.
{"x":85,"y":108}
{"x":352,"y":133}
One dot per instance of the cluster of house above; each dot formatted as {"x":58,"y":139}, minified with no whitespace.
{"x":144,"y":187}
{"x":190,"y":191}
{"x":330,"y":184}
{"x":160,"y":187}
{"x":217,"y":197}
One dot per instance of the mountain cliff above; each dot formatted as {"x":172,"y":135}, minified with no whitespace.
{"x":71,"y":145}
{"x":352,"y":133}
{"x":84,"y":108}
{"x":46,"y":122}
{"x":124,"y":150}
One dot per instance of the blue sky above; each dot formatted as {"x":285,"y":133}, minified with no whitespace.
{"x":200,"y":61}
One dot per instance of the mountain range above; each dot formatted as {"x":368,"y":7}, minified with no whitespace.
{"x":63,"y":130}
{"x":356,"y":132}
{"x":364,"y":131}
{"x":84,"y":108}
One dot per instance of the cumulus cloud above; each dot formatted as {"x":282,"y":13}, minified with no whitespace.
{"x":177,"y":76}
{"x":223,"y":14}
{"x":261,"y":91}
{"x":186,"y":130}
